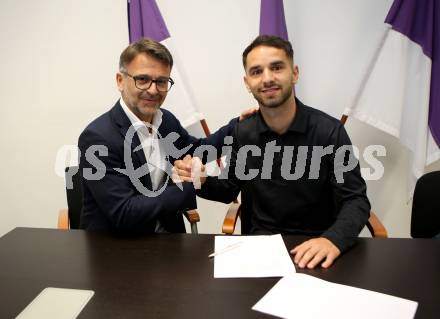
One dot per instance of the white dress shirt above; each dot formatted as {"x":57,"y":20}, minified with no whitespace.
{"x":155,"y":157}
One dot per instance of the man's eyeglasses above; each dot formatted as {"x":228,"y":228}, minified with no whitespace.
{"x":143,"y":82}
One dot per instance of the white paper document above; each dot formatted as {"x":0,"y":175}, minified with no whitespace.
{"x":303,"y":296}
{"x":251,"y":256}
{"x":57,"y":303}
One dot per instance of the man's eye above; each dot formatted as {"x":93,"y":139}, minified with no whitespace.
{"x":277,"y":68}
{"x":142,"y":79}
{"x":162,"y":82}
{"x":255,"y":72}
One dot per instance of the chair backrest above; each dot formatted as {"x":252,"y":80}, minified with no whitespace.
{"x":74,"y":196}
{"x":425,"y":217}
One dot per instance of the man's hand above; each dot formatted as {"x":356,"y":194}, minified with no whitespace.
{"x":312,"y":252}
{"x":182,"y":170}
{"x":247,"y":113}
{"x":198,"y":172}
{"x":190,"y":169}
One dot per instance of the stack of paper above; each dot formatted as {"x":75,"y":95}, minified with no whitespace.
{"x":251,"y":256}
{"x":303,"y":296}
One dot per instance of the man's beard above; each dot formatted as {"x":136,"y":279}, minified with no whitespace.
{"x":274,"y":103}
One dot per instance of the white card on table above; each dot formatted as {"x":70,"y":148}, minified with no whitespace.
{"x":59,"y":303}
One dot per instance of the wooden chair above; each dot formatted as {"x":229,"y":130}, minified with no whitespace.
{"x":69,"y":218}
{"x":374,"y":225}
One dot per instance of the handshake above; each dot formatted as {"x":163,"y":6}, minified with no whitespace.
{"x":189,"y":169}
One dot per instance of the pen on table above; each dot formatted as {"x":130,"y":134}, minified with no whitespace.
{"x":227,"y":248}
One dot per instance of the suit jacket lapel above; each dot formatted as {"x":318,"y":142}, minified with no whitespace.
{"x":124,"y":124}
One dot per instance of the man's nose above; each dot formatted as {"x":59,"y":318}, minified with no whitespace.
{"x":153,"y":89}
{"x":267,"y":76}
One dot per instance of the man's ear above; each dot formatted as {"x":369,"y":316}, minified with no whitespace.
{"x":119,"y":81}
{"x":246,"y":84}
{"x":295,"y":74}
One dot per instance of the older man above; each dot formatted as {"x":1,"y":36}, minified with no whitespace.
{"x":127,"y":153}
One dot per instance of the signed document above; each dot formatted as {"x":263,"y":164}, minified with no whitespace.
{"x":251,"y":256}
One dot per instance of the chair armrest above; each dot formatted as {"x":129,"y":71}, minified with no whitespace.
{"x":374,"y":225}
{"x":63,"y":218}
{"x":231,"y":218}
{"x":376,"y":228}
{"x":192,"y":216}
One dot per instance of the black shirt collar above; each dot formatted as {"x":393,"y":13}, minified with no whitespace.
{"x":299,"y":123}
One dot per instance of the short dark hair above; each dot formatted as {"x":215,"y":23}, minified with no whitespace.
{"x":269,"y":41}
{"x":149,"y":47}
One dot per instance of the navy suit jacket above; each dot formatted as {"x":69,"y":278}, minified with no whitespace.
{"x":112,"y":202}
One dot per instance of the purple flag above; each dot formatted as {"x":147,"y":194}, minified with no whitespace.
{"x":272,"y":21}
{"x":145,"y":21}
{"x":419,"y":21}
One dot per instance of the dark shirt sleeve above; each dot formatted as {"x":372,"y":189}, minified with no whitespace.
{"x":225,"y":187}
{"x":349,"y":190}
{"x":215,"y":140}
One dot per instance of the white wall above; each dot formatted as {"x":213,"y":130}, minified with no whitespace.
{"x":58,"y":63}
{"x":59,"y":60}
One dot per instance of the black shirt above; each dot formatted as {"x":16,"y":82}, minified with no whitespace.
{"x":286,"y":186}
